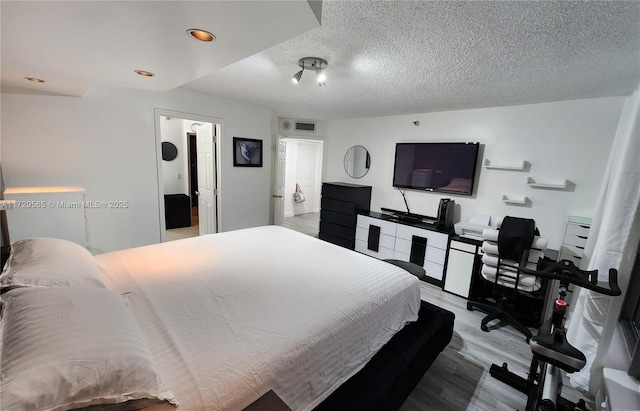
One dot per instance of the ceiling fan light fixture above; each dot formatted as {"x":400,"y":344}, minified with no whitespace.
{"x":296,"y":77}
{"x":144,"y":73}
{"x":312,"y":63}
{"x":201,"y":35}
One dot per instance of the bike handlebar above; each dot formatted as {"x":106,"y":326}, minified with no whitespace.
{"x":567,"y":272}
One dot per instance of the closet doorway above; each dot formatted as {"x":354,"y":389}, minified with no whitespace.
{"x":188,"y":179}
{"x":302,"y":160}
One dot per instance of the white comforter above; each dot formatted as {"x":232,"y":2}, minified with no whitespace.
{"x":231,"y":316}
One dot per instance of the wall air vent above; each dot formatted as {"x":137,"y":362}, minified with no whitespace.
{"x":310,"y":127}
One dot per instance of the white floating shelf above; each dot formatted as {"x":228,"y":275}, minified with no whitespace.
{"x":516,"y":167}
{"x":553,"y":186}
{"x":521,"y":201}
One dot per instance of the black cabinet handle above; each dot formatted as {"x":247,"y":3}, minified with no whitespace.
{"x":373,"y":242}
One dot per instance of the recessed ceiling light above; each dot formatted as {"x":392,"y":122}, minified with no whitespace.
{"x":34,"y":79}
{"x":144,"y":73}
{"x":201,"y":35}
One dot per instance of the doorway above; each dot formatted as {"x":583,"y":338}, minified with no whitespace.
{"x":193,"y":176}
{"x":188,"y":180}
{"x":302,"y":167}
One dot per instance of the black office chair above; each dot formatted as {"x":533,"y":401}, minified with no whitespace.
{"x":503,"y":251}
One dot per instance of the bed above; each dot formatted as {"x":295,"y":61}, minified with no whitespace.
{"x":212,"y":322}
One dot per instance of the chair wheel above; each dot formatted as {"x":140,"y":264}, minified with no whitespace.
{"x":484,"y":328}
{"x":469,"y":307}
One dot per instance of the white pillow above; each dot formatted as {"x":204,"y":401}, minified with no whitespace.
{"x":42,"y":262}
{"x":73,"y":347}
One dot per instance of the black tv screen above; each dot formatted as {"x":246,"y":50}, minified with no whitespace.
{"x":442,"y":167}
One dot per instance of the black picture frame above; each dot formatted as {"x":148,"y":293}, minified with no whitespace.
{"x":247,"y":152}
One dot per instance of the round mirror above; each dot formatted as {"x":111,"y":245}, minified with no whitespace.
{"x":169,"y":151}
{"x":357,"y":161}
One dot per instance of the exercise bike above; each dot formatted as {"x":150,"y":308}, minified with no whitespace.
{"x":552,"y":353}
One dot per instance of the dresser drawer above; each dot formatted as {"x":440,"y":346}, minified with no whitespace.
{"x":337,"y":230}
{"x":339,"y":206}
{"x":434,"y":239}
{"x":346,"y":220}
{"x":386,"y":241}
{"x":578,"y":229}
{"x":383,"y":252}
{"x":576,"y":259}
{"x":572,"y":250}
{"x":386,"y":227}
{"x":577,"y":240}
{"x":343,"y":242}
{"x":339,"y":192}
{"x":434,"y":254}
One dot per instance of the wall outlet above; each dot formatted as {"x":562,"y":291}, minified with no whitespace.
{"x":179,"y":176}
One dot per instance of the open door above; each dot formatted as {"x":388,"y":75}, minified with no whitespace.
{"x":278,"y":197}
{"x":206,"y":149}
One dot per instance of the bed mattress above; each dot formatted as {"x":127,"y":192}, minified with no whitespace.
{"x":230,"y":316}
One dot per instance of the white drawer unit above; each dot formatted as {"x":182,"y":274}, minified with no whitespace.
{"x":575,"y":239}
{"x":387,"y":239}
{"x":573,"y":243}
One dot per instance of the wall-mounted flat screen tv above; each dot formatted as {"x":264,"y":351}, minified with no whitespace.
{"x":442,"y":167}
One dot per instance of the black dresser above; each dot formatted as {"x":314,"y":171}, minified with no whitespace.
{"x":338,"y":208}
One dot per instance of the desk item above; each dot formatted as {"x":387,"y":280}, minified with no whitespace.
{"x":480,"y":219}
{"x":474,"y":227}
{"x":445,"y":213}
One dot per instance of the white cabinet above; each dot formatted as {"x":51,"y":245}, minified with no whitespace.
{"x":460,"y":268}
{"x":575,"y":239}
{"x":403,"y":242}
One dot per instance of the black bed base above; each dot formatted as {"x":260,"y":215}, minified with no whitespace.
{"x":387,"y":380}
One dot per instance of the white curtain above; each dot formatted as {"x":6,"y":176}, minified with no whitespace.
{"x":612,"y":243}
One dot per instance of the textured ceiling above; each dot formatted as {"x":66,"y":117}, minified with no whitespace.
{"x":401,"y":57}
{"x":385,"y":57}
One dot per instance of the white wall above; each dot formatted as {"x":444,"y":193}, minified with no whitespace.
{"x":105,"y":142}
{"x":173,"y":131}
{"x":562,"y":140}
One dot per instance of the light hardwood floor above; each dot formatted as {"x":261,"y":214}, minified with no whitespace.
{"x":308,"y":223}
{"x":184,"y":232}
{"x":459,"y":379}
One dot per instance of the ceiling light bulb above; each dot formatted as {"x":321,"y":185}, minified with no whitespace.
{"x":201,"y":35}
{"x":321,"y":77}
{"x":296,"y":77}
{"x":144,"y":73}
{"x":34,"y":79}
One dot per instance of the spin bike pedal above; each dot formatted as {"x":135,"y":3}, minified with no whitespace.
{"x":556,"y":350}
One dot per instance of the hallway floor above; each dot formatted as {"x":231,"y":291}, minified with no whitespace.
{"x":308,"y":223}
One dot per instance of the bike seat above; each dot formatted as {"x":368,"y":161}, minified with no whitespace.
{"x":556,"y":350}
